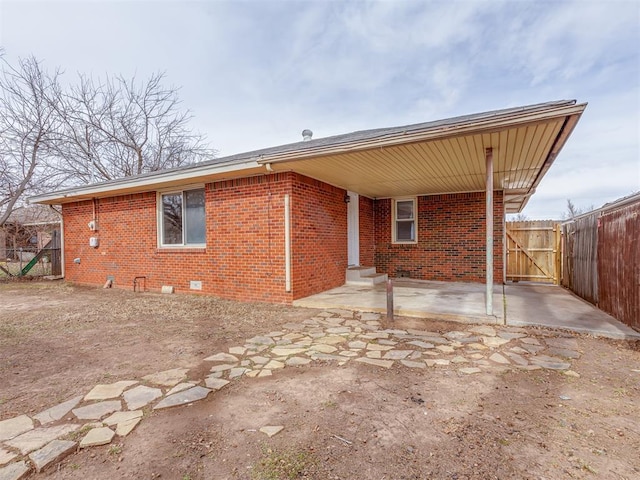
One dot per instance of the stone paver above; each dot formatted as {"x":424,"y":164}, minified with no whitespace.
{"x":285,"y":352}
{"x":140,"y":396}
{"x":445,"y":348}
{"x":38,"y":438}
{"x":237,"y":372}
{"x":274,"y":365}
{"x":15,"y":471}
{"x":215,"y":383}
{"x":107,"y":391}
{"x":222,"y":367}
{"x":51,"y":453}
{"x":56,"y":413}
{"x":322,"y":349}
{"x":470,"y":370}
{"x":511,"y":335}
{"x":121,"y":417}
{"x":517,"y":359}
{"x":125,"y":428}
{"x":493,"y":342}
{"x":378,"y":347}
{"x":498,"y":358}
{"x":168,"y":378}
{"x":412,"y":364}
{"x":484,"y":330}
{"x":6,"y":456}
{"x":13,"y":427}
{"x":357,"y":345}
{"x":397,"y":354}
{"x":237,"y":350}
{"x":421,"y":344}
{"x":297,"y":361}
{"x":530,"y":341}
{"x":459,"y":359}
{"x":550,"y":363}
{"x":181,"y":398}
{"x":97,"y":436}
{"x":271,"y":430}
{"x":438,"y":361}
{"x":96,"y":411}
{"x":376,"y":362}
{"x":222,"y":357}
{"x":180,"y":387}
{"x":331,"y":340}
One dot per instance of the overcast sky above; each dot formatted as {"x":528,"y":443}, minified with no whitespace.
{"x":255,"y":74}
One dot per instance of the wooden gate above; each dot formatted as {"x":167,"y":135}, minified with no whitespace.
{"x":533,"y":251}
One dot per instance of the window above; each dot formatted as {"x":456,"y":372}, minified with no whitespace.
{"x":182,"y":218}
{"x":404,"y":221}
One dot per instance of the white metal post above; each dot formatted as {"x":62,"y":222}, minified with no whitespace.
{"x":489,"y":231}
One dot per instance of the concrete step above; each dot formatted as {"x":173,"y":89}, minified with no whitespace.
{"x":364,"y":276}
{"x":355,"y":273}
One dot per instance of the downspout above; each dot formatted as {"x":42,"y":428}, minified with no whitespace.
{"x":61,"y":238}
{"x":489,"y":232}
{"x":287,"y":244}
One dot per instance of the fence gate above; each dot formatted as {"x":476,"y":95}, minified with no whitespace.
{"x":533,"y":251}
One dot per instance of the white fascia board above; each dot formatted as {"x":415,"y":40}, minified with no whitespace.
{"x":190,"y":175}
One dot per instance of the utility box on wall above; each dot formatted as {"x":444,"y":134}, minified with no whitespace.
{"x":94,"y":242}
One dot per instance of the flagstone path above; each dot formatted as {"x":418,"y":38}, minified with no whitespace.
{"x":335,"y":336}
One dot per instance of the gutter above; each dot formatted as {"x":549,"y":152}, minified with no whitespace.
{"x":136,"y":183}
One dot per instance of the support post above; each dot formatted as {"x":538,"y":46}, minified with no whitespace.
{"x":489,"y":231}
{"x":287,"y":244}
{"x":389,"y":300}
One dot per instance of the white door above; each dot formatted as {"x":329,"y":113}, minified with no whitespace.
{"x":353,"y":230}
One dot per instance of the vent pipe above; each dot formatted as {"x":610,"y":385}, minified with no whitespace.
{"x":306,"y":135}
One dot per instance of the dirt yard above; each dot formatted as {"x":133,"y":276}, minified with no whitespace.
{"x":354,"y":421}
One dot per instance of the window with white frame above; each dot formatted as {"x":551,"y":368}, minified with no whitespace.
{"x":405,"y":223}
{"x":182,"y":218}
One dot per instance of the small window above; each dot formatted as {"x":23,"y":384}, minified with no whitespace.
{"x":404,"y":221}
{"x":182,"y":218}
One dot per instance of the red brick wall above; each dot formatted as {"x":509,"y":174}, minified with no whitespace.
{"x":244,"y":256}
{"x":451,"y":239}
{"x":243,"y":260}
{"x":318,"y":235}
{"x":367,"y":232}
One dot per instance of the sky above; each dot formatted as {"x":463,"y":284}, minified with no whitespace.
{"x":256,"y":73}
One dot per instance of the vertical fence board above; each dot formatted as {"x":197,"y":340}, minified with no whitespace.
{"x":619,"y":264}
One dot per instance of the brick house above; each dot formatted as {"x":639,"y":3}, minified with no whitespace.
{"x":426,"y":201}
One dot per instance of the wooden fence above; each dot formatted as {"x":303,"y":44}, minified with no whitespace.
{"x":601,"y":259}
{"x":533,"y":251}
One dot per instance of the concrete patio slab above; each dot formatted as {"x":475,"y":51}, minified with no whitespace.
{"x":522,"y":304}
{"x":455,"y":301}
{"x":556,"y":307}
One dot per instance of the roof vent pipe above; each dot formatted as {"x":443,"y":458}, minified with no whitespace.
{"x":306,"y":135}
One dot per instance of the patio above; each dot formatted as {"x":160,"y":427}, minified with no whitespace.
{"x":520,"y":303}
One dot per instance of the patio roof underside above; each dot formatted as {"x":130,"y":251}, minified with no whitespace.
{"x":448,"y":164}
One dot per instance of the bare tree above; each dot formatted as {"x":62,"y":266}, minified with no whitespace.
{"x":94,"y":131}
{"x":28,"y":130}
{"x":119,"y":128}
{"x":573,"y":211}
